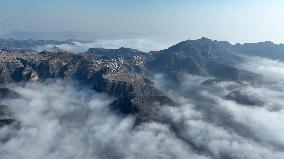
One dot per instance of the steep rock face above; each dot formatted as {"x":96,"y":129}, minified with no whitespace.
{"x":31,"y":66}
{"x":6,"y":116}
{"x":7,"y":93}
{"x":135,"y":93}
{"x":120,"y":77}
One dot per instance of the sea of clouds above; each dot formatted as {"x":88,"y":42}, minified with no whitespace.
{"x":61,"y":120}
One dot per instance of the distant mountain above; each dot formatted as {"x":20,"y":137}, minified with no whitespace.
{"x":263,"y":49}
{"x":200,"y":57}
{"x":28,"y":44}
{"x":115,"y":53}
{"x":54,"y":49}
{"x":203,"y":46}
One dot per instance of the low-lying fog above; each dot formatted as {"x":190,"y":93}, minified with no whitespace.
{"x":142,"y":44}
{"x":60,"y":120}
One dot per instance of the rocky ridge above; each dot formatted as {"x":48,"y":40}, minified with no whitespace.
{"x":125,"y":73}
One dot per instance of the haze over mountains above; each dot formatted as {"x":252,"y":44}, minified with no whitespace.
{"x":78,"y":46}
{"x":63,"y":35}
{"x":196,"y":99}
{"x":264,"y":49}
{"x":119,"y":79}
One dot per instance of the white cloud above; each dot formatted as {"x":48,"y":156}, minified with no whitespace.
{"x":223,"y":128}
{"x":142,"y":44}
{"x":272,"y":69}
{"x":60,"y":120}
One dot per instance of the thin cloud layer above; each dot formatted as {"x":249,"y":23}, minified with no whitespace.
{"x":142,"y":44}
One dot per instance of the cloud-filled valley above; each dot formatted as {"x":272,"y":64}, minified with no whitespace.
{"x":198,"y":99}
{"x":67,"y":123}
{"x":61,"y":120}
{"x":151,"y":79}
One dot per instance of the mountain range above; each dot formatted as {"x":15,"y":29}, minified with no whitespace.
{"x":127,"y":74}
{"x":202,"y":98}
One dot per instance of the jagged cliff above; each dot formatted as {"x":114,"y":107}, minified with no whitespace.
{"x":120,"y":77}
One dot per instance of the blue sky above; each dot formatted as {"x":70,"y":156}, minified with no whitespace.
{"x":233,"y":20}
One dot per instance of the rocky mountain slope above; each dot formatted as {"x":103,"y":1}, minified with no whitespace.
{"x":202,"y":57}
{"x":119,"y":77}
{"x":122,"y":73}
